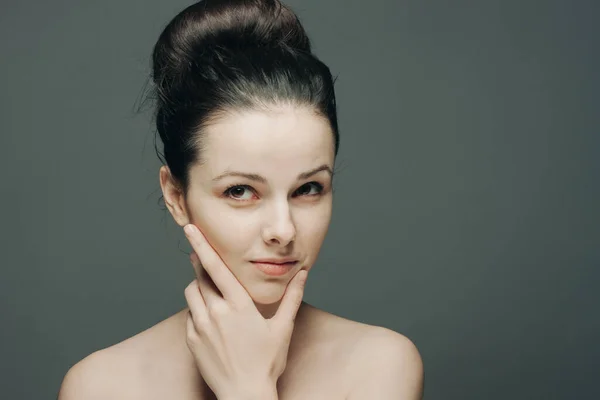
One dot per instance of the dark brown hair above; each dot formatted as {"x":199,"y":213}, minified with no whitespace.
{"x":217,"y":56}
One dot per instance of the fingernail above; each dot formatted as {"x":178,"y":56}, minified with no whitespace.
{"x":189,"y":229}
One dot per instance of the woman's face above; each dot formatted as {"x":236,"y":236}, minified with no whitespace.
{"x":264,"y":190}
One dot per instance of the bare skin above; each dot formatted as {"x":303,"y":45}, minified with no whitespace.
{"x":284,"y":213}
{"x":323,"y":361}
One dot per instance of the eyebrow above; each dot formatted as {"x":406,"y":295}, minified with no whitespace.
{"x":261,"y":179}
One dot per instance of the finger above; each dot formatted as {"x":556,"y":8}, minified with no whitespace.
{"x":195,"y":261}
{"x":196,"y":303}
{"x":190,"y":327}
{"x":210,"y":293}
{"x":292,"y":298}
{"x":222,"y":277}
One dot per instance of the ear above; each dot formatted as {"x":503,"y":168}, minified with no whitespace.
{"x":173,"y":195}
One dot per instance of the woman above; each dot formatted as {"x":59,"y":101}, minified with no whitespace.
{"x":247,"y":117}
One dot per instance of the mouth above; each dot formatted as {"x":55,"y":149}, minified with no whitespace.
{"x":275,"y":268}
{"x":282,"y":260}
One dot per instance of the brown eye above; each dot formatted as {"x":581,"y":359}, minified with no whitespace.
{"x":238,"y":192}
{"x":310,"y":189}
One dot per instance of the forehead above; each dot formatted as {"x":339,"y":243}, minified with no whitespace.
{"x":290,"y":139}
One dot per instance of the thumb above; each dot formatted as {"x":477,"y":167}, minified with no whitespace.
{"x":292,"y":299}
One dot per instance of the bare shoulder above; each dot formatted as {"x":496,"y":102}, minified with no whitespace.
{"x":366,"y":340}
{"x":391,"y":366}
{"x":117,"y":371}
{"x":97,"y":376}
{"x":382,"y":363}
{"x":388,"y":343}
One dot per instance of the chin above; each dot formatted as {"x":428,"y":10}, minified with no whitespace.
{"x":268,"y":293}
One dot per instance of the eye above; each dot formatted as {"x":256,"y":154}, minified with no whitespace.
{"x":238,"y":192}
{"x":307,"y":190}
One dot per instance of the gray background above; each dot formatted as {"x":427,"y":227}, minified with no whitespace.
{"x":465,"y":212}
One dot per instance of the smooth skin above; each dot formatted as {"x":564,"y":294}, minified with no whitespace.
{"x":280,"y":206}
{"x":236,"y":365}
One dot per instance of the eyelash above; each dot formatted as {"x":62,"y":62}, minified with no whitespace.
{"x":227,"y":192}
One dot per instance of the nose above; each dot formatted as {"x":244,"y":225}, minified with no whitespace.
{"x":279,"y":228}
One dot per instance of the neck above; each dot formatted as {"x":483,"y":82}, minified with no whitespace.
{"x":267,"y":310}
{"x":297,"y":344}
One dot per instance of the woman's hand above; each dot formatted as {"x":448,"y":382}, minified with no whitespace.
{"x":238,"y":352}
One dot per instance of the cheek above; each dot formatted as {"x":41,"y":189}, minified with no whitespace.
{"x":313,"y":226}
{"x":227,"y":232}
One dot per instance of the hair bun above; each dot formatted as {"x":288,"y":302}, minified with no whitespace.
{"x":221,"y":55}
{"x":255,"y":22}
{"x":225,"y":24}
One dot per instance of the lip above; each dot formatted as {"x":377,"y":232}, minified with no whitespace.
{"x":275,"y":260}
{"x":275,"y":269}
